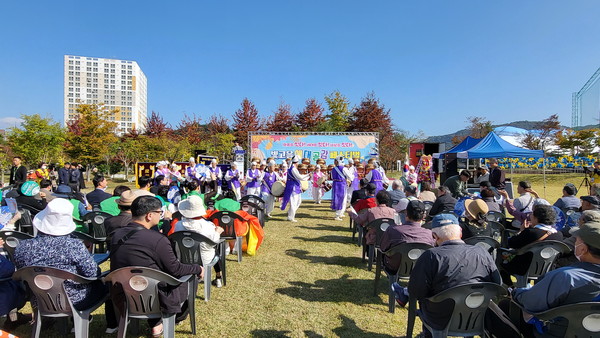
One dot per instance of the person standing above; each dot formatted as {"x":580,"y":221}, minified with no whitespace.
{"x":74,"y":178}
{"x":375,"y":176}
{"x":18,"y":172}
{"x":340,"y":177}
{"x":497,"y":176}
{"x":253,"y":182}
{"x":64,"y":174}
{"x":270,"y":176}
{"x":233,"y":177}
{"x":317,"y":189}
{"x":457,"y":184}
{"x":292,"y":193}
{"x":355,"y":185}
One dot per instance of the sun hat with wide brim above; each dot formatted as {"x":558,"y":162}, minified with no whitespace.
{"x":56,"y":219}
{"x":127,"y":197}
{"x":476,"y":207}
{"x":192,"y":207}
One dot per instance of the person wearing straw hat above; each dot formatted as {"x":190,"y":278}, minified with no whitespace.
{"x":253,"y":180}
{"x":292,"y":193}
{"x":193,"y":212}
{"x":476,"y":224}
{"x":53,"y":247}
{"x":340,"y":177}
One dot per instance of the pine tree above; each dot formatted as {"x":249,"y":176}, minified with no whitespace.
{"x":311,"y":118}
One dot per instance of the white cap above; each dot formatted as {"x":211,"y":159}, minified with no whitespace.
{"x":341,"y":161}
{"x":295,"y":159}
{"x":253,"y":163}
{"x":192,"y":159}
{"x":214,"y":160}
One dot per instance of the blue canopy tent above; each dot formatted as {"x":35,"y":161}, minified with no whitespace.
{"x":466,"y":144}
{"x":494,"y":146}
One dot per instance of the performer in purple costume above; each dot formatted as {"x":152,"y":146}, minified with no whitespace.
{"x":233,"y":177}
{"x":215,"y":171}
{"x":292,"y":193}
{"x":340,"y":175}
{"x":377,"y":177}
{"x":269,"y":177}
{"x":253,"y":180}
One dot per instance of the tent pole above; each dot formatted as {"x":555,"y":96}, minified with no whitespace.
{"x":544,"y":171}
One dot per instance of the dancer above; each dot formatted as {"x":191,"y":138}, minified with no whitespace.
{"x":340,"y":177}
{"x":269,"y":177}
{"x":292,"y":193}
{"x":213,"y":177}
{"x":317,"y":190}
{"x":253,"y":180}
{"x":233,"y":177}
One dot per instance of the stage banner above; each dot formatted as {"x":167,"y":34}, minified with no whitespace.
{"x":326,"y":146}
{"x":314,"y":146}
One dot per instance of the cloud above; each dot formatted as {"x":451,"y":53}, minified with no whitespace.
{"x":10,"y":122}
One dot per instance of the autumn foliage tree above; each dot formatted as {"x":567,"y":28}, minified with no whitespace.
{"x":338,"y":118}
{"x":311,"y":117}
{"x":157,"y":127}
{"x":245,"y":120}
{"x":190,"y":128}
{"x":282,"y":119}
{"x":217,"y":124}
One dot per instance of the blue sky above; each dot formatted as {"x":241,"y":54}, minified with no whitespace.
{"x":432,"y":63}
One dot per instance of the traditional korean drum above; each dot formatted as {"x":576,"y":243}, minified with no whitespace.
{"x":304,"y":185}
{"x":278,"y":188}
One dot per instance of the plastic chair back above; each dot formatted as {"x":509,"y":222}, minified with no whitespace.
{"x":186,"y":245}
{"x":254,"y":199}
{"x":25,"y":224}
{"x":255,"y":210}
{"x":545,"y":254}
{"x":495,"y":216}
{"x":409,"y":253}
{"x":488,"y":243}
{"x":11,"y":241}
{"x":381,"y":225}
{"x":225,"y":219}
{"x":95,"y":222}
{"x":583,"y":318}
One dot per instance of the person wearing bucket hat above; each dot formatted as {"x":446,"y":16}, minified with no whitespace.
{"x":193,"y":212}
{"x":53,"y":247}
{"x":137,"y":245}
{"x":292,"y":193}
{"x":450,"y":263}
{"x":573,"y":284}
{"x":475,"y":223}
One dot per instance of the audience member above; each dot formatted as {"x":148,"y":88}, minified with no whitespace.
{"x":397,"y":192}
{"x":444,"y":202}
{"x":457,"y":184}
{"x":475,"y":223}
{"x":144,"y":182}
{"x":124,"y":217}
{"x":360,"y":193}
{"x":426,"y":194}
{"x":590,"y":203}
{"x":46,"y":190}
{"x":451,"y":263}
{"x":408,"y":232}
{"x":568,"y":199}
{"x":53,"y":247}
{"x":13,"y":296}
{"x":382,"y":210}
{"x":411,"y":194}
{"x":98,"y":195}
{"x":487,"y":196}
{"x":110,"y":205}
{"x":137,"y":245}
{"x":482,"y":175}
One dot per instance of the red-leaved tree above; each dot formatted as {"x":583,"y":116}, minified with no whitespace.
{"x":217,"y":124}
{"x":282,"y":119}
{"x":245,"y":120}
{"x":157,"y":127}
{"x":311,"y":117}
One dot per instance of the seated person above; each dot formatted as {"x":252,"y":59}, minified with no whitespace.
{"x":193,"y":212}
{"x":568,"y":285}
{"x":81,"y":209}
{"x":110,"y":205}
{"x":590,"y":203}
{"x":45,"y":190}
{"x":124,"y":217}
{"x":520,"y":214}
{"x":568,"y":199}
{"x":444,"y":202}
{"x":426,"y":193}
{"x":451,"y":263}
{"x":137,"y":245}
{"x":382,"y":210}
{"x":227,"y":202}
{"x":397,"y":192}
{"x":369,"y":201}
{"x":541,"y":227}
{"x":475,"y":223}
{"x":487,"y":196}
{"x":53,"y":247}
{"x":27,"y":195}
{"x":159,"y":180}
{"x":98,"y":195}
{"x":408,"y":232}
{"x":361,"y":193}
{"x":411,"y":194}
{"x":12,"y":296}
{"x":193,"y":189}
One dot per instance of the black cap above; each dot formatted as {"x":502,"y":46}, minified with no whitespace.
{"x":415,"y":206}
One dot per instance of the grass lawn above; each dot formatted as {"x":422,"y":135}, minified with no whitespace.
{"x":307,"y":280}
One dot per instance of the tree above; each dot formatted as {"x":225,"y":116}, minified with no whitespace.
{"x":127,"y":151}
{"x":218,"y":125}
{"x":547,"y":134}
{"x":372,"y":116}
{"x":245,"y":120}
{"x":282,"y":119}
{"x":39,"y":139}
{"x":579,"y":142}
{"x":311,"y":117}
{"x":157,"y":127}
{"x":191,"y":129}
{"x":90,"y":134}
{"x":338,"y":118}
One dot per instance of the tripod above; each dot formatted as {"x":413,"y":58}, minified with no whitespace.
{"x":585,"y":181}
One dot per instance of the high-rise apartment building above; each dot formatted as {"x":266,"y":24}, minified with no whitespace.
{"x":118,"y":84}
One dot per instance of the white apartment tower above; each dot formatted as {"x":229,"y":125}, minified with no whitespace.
{"x":119,"y":84}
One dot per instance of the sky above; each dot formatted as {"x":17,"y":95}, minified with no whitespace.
{"x":431,"y":63}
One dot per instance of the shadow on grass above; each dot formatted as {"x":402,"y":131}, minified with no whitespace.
{"x":326,"y":239}
{"x":338,"y":290}
{"x":326,"y":227}
{"x":350,"y":329}
{"x":353,"y":262}
{"x":269,"y":333}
